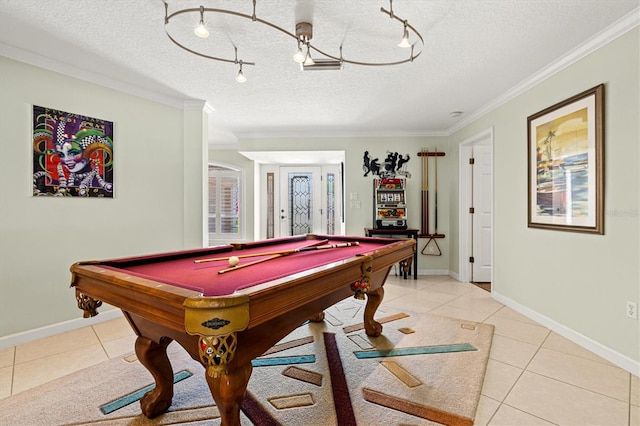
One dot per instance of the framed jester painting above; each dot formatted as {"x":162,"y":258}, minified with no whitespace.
{"x":72,"y":154}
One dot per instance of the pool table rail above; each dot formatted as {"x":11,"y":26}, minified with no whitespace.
{"x":130,"y":293}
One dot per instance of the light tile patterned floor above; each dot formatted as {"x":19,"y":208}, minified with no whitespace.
{"x":534,"y":376}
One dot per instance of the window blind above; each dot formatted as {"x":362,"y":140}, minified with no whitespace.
{"x":224,"y":203}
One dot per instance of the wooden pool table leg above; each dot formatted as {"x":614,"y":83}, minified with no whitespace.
{"x":319,"y":317}
{"x":228,"y":391}
{"x":372,"y":327}
{"x":154,"y":357}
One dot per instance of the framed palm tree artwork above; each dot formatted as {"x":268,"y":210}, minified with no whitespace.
{"x":566,"y":164}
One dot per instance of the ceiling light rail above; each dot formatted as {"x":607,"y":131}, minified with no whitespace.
{"x":303,"y":36}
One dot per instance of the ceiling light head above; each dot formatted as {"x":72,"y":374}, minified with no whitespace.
{"x":299,"y":55}
{"x":240,"y":78}
{"x":405,"y":37}
{"x":201,"y":30}
{"x":456,"y":114}
{"x":308,"y":60}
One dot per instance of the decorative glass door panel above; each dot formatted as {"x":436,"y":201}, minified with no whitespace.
{"x":301,"y":207}
{"x":300,"y":203}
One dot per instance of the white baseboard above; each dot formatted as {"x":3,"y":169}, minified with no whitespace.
{"x":622,"y":361}
{"x":433,"y":272}
{"x":53,"y":329}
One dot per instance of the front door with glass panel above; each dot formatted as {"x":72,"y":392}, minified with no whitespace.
{"x":300,"y":200}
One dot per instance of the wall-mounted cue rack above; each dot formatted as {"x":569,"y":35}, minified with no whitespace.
{"x":431,"y":248}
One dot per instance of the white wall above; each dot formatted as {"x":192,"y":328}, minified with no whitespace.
{"x":40,"y":237}
{"x":577,"y":282}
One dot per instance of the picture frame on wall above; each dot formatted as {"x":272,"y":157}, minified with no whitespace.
{"x":566,"y":164}
{"x":72,"y":154}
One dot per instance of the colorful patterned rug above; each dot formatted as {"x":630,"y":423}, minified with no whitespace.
{"x":423,"y":370}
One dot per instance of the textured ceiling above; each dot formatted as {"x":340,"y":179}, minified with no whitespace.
{"x":474,"y":52}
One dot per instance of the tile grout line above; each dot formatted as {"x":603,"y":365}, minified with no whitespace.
{"x":574,"y":385}
{"x":518,"y":379}
{"x":104,"y":349}
{"x":13,"y":371}
{"x":629,"y":413}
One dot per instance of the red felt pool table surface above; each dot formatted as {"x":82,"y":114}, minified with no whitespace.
{"x":182,"y":270}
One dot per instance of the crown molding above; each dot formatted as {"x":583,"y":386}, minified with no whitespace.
{"x":628,"y":22}
{"x":31,"y":58}
{"x":320,"y":133}
{"x":197,"y":104}
{"x":208,"y":108}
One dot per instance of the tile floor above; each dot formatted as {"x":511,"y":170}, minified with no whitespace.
{"x":534,"y":376}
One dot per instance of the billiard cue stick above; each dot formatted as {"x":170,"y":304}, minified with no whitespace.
{"x":286,"y":253}
{"x":425,"y":191}
{"x":435,"y":191}
{"x":244,"y":265}
{"x":214,"y":259}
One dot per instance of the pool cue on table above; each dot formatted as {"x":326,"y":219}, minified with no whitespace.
{"x":215,"y":259}
{"x":283,"y":253}
{"x":244,"y":265}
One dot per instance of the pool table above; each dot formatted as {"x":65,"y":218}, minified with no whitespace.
{"x":225,"y":316}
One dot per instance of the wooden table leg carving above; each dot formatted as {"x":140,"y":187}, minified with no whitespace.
{"x":374,"y":298}
{"x":228,"y":391}
{"x":154,"y":357}
{"x":319,"y":317}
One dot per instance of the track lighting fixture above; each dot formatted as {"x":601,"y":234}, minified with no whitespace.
{"x":303,"y":36}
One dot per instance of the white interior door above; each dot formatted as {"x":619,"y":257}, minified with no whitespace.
{"x":300,"y":198}
{"x":483,"y":213}
{"x":476,"y":195}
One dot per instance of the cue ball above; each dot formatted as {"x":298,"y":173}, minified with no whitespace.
{"x":233,"y":260}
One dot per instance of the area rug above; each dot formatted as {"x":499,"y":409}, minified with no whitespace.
{"x":423,"y":370}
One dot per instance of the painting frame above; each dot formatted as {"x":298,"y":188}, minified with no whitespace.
{"x":72,"y":154}
{"x":566,"y":164}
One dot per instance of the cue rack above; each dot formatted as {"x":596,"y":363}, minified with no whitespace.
{"x":431,"y":248}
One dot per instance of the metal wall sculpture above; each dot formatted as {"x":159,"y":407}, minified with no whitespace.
{"x":394,"y":165}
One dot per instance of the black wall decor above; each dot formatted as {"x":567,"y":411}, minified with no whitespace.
{"x":394,"y":165}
